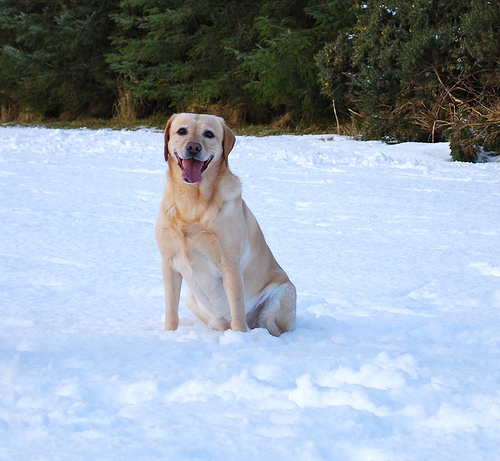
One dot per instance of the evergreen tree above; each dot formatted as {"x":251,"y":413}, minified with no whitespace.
{"x":255,"y":58}
{"x":52,"y":56}
{"x":281,"y":68}
{"x":174,"y":54}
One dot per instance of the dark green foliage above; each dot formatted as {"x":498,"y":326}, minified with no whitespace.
{"x":422,"y":70}
{"x":171,"y":53}
{"x":462,"y":145}
{"x":256,"y":57}
{"x":52,"y":56}
{"x":281,"y":69}
{"x":250,"y":60}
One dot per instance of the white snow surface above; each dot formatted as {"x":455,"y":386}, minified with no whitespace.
{"x":395,"y":253}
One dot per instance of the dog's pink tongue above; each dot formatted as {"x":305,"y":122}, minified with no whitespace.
{"x":192,"y":170}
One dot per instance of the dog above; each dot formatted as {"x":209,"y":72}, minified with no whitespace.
{"x":207,"y":236}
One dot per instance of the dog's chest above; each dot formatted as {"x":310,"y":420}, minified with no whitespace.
{"x":199,"y":252}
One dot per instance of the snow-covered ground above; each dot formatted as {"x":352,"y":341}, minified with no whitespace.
{"x":395,"y":253}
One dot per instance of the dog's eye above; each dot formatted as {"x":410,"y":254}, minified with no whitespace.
{"x":209,"y":134}
{"x":182,"y":131}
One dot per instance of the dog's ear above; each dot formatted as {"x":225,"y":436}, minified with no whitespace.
{"x":228,"y":141}
{"x":167,"y":136}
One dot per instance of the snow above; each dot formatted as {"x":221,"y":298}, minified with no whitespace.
{"x":395,"y":253}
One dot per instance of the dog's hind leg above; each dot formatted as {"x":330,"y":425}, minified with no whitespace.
{"x":278,"y":311}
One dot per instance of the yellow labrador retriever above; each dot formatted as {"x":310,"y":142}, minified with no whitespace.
{"x":207,"y":236}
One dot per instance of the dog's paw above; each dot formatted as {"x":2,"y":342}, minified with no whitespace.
{"x":238,"y":326}
{"x":171,"y":324}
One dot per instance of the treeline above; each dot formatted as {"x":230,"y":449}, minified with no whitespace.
{"x":426,"y":70}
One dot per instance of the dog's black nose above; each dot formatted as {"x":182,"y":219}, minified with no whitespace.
{"x":193,"y":148}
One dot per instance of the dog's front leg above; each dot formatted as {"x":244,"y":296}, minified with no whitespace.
{"x":172,"y":282}
{"x":233,"y":286}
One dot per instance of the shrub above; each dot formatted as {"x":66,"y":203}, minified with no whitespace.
{"x":422,"y":71}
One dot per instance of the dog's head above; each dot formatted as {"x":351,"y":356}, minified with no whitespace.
{"x":196,"y":143}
